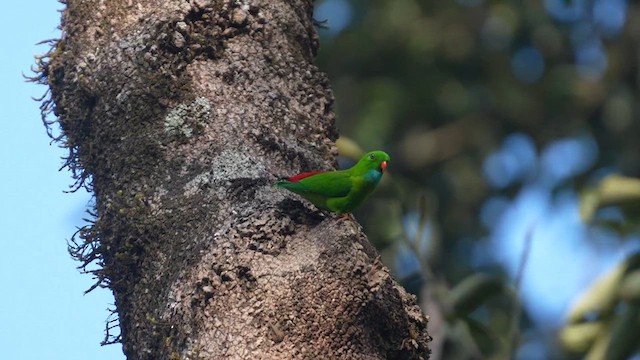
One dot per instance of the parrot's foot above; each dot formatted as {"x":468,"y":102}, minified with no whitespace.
{"x":346,"y":216}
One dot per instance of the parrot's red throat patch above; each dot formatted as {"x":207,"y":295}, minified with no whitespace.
{"x":383,"y":166}
{"x":299,"y":177}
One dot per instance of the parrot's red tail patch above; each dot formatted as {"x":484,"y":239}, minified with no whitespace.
{"x":299,"y":177}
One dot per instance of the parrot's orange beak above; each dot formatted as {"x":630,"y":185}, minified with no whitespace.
{"x":383,"y":166}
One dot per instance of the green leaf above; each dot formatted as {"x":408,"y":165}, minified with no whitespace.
{"x":487,"y":341}
{"x":472,"y":292}
{"x":630,"y":286}
{"x":612,"y":190}
{"x":579,"y":338}
{"x":601,"y":297}
{"x":624,"y":333}
{"x":347,"y":147}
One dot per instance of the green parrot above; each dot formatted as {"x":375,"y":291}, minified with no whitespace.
{"x":340,"y":191}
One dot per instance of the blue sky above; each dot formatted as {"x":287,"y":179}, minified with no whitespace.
{"x":43,"y":312}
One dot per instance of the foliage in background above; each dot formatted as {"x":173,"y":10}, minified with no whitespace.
{"x":480,"y":103}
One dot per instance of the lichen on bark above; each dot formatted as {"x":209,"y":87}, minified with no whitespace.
{"x":179,"y":115}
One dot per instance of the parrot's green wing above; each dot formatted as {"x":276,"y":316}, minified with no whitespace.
{"x":332,"y":184}
{"x":322,"y":189}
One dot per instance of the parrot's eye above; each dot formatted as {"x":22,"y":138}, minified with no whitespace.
{"x":372,"y":157}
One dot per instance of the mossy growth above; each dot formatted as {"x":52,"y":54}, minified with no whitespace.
{"x":187,"y":119}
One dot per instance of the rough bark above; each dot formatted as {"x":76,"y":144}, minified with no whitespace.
{"x":180,"y":115}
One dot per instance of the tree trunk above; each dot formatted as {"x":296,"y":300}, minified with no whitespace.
{"x":180,"y":115}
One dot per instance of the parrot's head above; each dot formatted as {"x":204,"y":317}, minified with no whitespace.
{"x":375,"y":160}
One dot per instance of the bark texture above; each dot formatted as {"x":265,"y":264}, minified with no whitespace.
{"x":180,"y":115}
